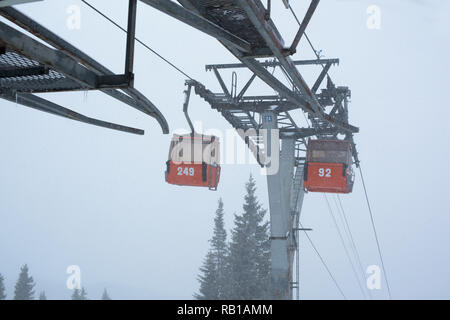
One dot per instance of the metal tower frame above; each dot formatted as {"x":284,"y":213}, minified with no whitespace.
{"x":245,"y":28}
{"x":250,"y":115}
{"x":28,"y":66}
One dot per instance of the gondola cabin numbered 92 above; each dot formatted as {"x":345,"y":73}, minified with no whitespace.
{"x":328,"y":166}
{"x":194,"y":161}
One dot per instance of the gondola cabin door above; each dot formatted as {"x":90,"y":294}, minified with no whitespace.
{"x":194,"y":161}
{"x":328,"y":166}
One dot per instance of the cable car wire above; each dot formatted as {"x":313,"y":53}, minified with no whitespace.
{"x":306,"y":36}
{"x":323,"y":262}
{"x":358,"y":280}
{"x":362,"y":177}
{"x":350,"y":234}
{"x":376,"y":234}
{"x":138,"y":40}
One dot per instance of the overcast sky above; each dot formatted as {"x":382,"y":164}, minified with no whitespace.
{"x":73,"y":194}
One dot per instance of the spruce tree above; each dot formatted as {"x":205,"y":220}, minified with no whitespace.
{"x":213,"y":280}
{"x":249,"y":252}
{"x":24,"y":286}
{"x":83,"y":295}
{"x":76,"y":295}
{"x":219,"y":249}
{"x":208,"y":286}
{"x":2,"y":288}
{"x":105,"y":295}
{"x":42,"y":296}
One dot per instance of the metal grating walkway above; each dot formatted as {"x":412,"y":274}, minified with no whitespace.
{"x":21,"y":74}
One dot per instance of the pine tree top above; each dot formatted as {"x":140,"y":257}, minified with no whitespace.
{"x":83,"y":295}
{"x":76,"y":294}
{"x":2,"y":288}
{"x":249,"y":252}
{"x":105,"y":295}
{"x":42,"y":296}
{"x":219,"y":238}
{"x":24,"y":286}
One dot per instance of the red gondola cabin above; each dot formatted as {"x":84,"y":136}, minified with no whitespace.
{"x":194,"y":161}
{"x":328,"y":166}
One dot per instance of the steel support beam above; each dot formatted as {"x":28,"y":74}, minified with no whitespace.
{"x":320,"y":78}
{"x":297,"y":196}
{"x":7,"y":3}
{"x":131,"y":40}
{"x":245,"y":88}
{"x":35,"y":102}
{"x":312,"y":8}
{"x":222,"y":84}
{"x":255,"y":12}
{"x":276,"y":84}
{"x":209,"y":67}
{"x":279,"y":183}
{"x":194,"y":20}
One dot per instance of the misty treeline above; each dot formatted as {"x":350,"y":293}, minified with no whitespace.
{"x":24,"y":289}
{"x":238,"y":268}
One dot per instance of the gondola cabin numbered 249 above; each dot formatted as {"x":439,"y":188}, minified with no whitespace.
{"x":328,"y":166}
{"x":194,"y":161}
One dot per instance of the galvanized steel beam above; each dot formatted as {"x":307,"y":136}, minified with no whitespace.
{"x":312,"y":8}
{"x":267,"y":30}
{"x":194,"y":20}
{"x":209,"y":67}
{"x":131,"y":40}
{"x":35,"y":102}
{"x":7,"y":3}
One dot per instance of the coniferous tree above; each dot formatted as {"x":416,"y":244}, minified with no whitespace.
{"x":105,"y":295}
{"x":76,"y":294}
{"x":219,"y":249}
{"x":24,"y":286}
{"x":213,"y":277}
{"x":83,"y":295}
{"x":42,"y":296}
{"x":2,"y":288}
{"x":249,"y":252}
{"x":208,"y":286}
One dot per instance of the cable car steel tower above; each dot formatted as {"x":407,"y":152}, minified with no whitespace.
{"x":245,"y":28}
